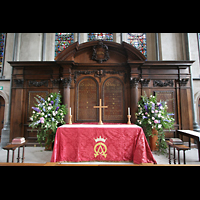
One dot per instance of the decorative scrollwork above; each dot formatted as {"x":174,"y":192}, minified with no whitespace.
{"x":38,"y":83}
{"x":159,"y":83}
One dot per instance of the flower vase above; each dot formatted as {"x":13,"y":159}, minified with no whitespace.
{"x":49,"y":146}
{"x":153,"y":139}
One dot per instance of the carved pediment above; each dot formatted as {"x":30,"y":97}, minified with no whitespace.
{"x":100,"y":51}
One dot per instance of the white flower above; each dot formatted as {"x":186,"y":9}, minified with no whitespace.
{"x":33,"y":111}
{"x":153,"y":118}
{"x":49,"y":108}
{"x":51,"y":96}
{"x":159,"y":125}
{"x":48,"y":98}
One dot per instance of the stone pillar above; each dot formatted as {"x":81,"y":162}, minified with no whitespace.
{"x":134,"y":97}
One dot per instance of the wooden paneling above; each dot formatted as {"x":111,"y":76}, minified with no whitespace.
{"x":87,"y":98}
{"x":113,"y":97}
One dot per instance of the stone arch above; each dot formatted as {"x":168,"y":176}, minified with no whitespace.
{"x":6,"y":99}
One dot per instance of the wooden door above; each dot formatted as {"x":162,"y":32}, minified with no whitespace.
{"x":2,"y":108}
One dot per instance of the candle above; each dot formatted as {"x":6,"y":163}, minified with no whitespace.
{"x":70,"y":111}
{"x":129,"y":113}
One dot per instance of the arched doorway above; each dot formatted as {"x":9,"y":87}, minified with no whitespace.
{"x":2,"y":109}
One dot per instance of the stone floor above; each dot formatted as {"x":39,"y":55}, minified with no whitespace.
{"x":38,"y":155}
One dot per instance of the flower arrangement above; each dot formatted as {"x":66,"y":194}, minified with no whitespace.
{"x":153,"y":115}
{"x":47,"y":115}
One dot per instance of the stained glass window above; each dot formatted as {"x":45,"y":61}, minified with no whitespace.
{"x":62,"y":41}
{"x":2,"y":46}
{"x":138,"y":40}
{"x":100,"y":36}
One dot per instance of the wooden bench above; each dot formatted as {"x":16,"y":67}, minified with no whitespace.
{"x":179,"y":147}
{"x":13,"y":147}
{"x":190,"y":134}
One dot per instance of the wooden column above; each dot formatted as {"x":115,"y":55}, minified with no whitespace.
{"x":66,"y":80}
{"x":134,"y":98}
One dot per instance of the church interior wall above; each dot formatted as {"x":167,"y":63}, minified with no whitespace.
{"x":29,"y":43}
{"x":171,"y":46}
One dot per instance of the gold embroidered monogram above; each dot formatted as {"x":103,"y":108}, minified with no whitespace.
{"x":100,"y":148}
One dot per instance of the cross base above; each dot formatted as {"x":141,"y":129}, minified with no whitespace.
{"x":100,"y":123}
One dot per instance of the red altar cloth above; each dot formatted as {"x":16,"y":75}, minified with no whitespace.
{"x":108,"y":142}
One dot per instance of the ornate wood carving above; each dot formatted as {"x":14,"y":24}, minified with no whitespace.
{"x":100,"y":52}
{"x":145,"y":82}
{"x":134,"y":82}
{"x":66,"y":81}
{"x":183,"y":82}
{"x":38,"y":83}
{"x":19,"y":82}
{"x":55,"y":81}
{"x":159,"y":83}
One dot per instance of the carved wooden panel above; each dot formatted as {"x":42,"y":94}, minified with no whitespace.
{"x":87,"y":98}
{"x":113,"y":97}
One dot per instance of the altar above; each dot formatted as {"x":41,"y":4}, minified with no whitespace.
{"x":108,"y":142}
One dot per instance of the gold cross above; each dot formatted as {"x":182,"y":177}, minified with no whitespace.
{"x":100,"y":107}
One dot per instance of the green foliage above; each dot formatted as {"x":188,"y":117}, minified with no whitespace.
{"x":153,"y":114}
{"x":46,"y":116}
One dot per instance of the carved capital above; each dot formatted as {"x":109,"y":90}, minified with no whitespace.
{"x":183,"y":82}
{"x":19,"y":82}
{"x":66,"y":81}
{"x":134,"y":82}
